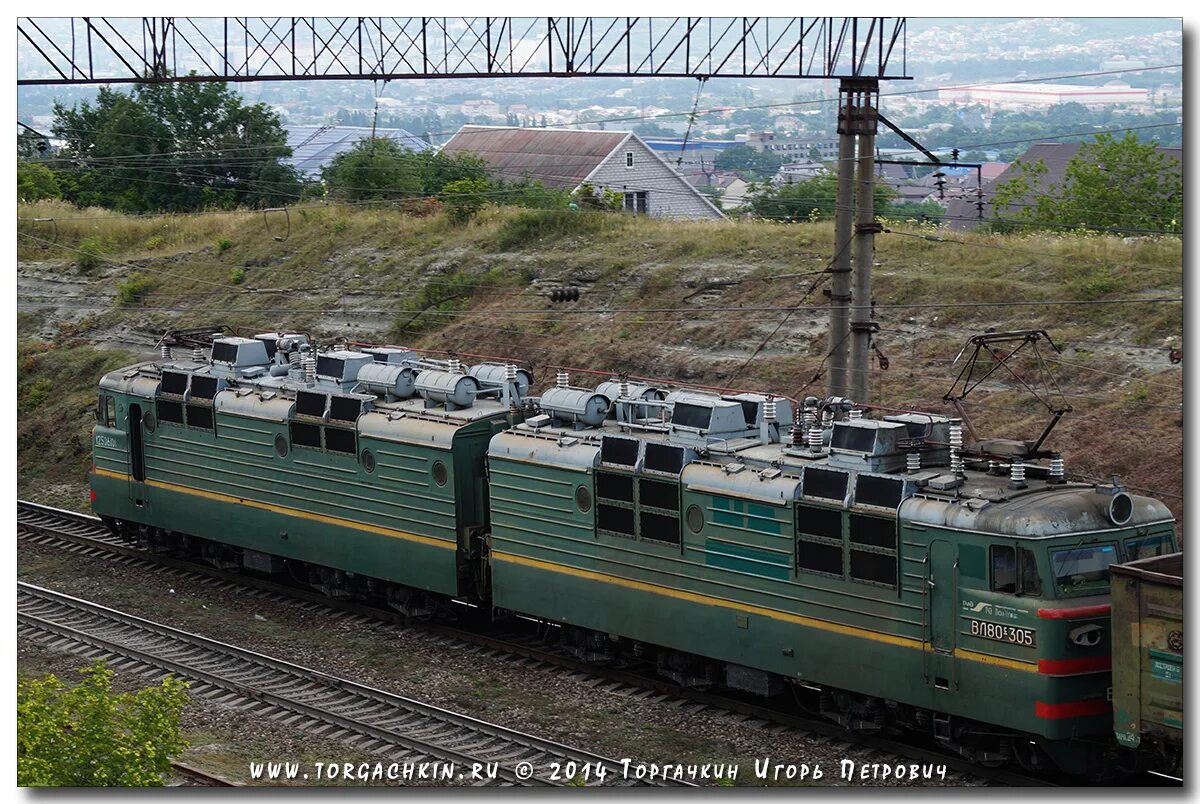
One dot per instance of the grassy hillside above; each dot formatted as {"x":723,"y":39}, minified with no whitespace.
{"x":677,"y":300}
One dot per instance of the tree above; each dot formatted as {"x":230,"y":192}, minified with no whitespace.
{"x":175,"y":147}
{"x":811,"y":199}
{"x":89,"y":736}
{"x":652,"y":128}
{"x":383,"y":169}
{"x":36,"y":182}
{"x":373,"y":170}
{"x":1110,"y":182}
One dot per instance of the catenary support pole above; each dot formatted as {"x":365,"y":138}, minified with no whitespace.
{"x":843,"y":218}
{"x":861,"y":325}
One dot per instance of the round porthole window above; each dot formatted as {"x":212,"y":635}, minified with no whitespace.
{"x":149,"y":422}
{"x":368,"y":460}
{"x":439,"y":473}
{"x":281,"y":445}
{"x":695,"y":519}
{"x":583,"y":499}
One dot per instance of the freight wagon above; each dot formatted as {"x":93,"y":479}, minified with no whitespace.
{"x":1147,"y":672}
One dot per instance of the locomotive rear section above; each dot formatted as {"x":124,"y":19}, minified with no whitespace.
{"x":876,"y":568}
{"x":359,"y":473}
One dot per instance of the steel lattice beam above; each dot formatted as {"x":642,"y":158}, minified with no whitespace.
{"x":107,"y":50}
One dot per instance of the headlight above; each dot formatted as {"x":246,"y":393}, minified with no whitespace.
{"x":1087,"y":636}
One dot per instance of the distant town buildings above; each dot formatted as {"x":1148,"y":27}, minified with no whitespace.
{"x":484,"y":107}
{"x":1033,"y":95}
{"x":798,"y":171}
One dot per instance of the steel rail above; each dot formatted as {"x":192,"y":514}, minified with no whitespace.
{"x":421,"y":731}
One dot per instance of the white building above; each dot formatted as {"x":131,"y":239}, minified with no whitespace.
{"x":566,"y":159}
{"x":1032,"y":95}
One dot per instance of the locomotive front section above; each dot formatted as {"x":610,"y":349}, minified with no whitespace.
{"x":1027,"y":627}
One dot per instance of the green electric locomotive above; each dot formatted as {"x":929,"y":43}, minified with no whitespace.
{"x":879,"y":567}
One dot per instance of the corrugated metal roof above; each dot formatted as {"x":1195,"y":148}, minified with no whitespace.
{"x":314,"y":146}
{"x":555,"y":157}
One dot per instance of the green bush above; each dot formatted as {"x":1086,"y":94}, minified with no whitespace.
{"x":530,"y":226}
{"x":90,"y":254}
{"x":463,"y":198}
{"x":38,"y":393}
{"x":224,"y":244}
{"x":237,"y":276}
{"x":89,"y":736}
{"x":132,"y":289}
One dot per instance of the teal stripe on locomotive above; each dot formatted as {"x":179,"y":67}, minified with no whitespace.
{"x":229,"y":485}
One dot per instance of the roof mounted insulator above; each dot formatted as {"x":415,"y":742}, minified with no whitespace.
{"x":1058,"y":473}
{"x":815,"y":437}
{"x":165,"y":351}
{"x":310,"y":369}
{"x":198,"y":354}
{"x":912,"y":461}
{"x":956,"y":443}
{"x":1016,"y":476}
{"x":770,"y":409}
{"x":562,"y":379}
{"x":455,"y":366}
{"x":855,"y":414}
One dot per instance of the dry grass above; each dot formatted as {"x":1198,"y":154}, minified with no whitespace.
{"x":438,"y":285}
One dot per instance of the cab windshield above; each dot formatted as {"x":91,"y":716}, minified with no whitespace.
{"x":1148,"y":546}
{"x":1083,"y":566}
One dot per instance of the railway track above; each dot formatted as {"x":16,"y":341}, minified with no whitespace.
{"x":86,"y":536}
{"x":408,"y":731}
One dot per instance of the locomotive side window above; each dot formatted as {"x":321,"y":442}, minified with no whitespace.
{"x":1004,"y":569}
{"x":106,"y":411}
{"x":1031,"y":579}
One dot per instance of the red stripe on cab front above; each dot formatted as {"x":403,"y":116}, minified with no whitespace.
{"x":1071,"y":667}
{"x":1061,"y":711}
{"x":1101,"y":610}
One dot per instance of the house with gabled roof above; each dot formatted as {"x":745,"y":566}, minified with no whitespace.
{"x":606,"y":160}
{"x":963,"y":212}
